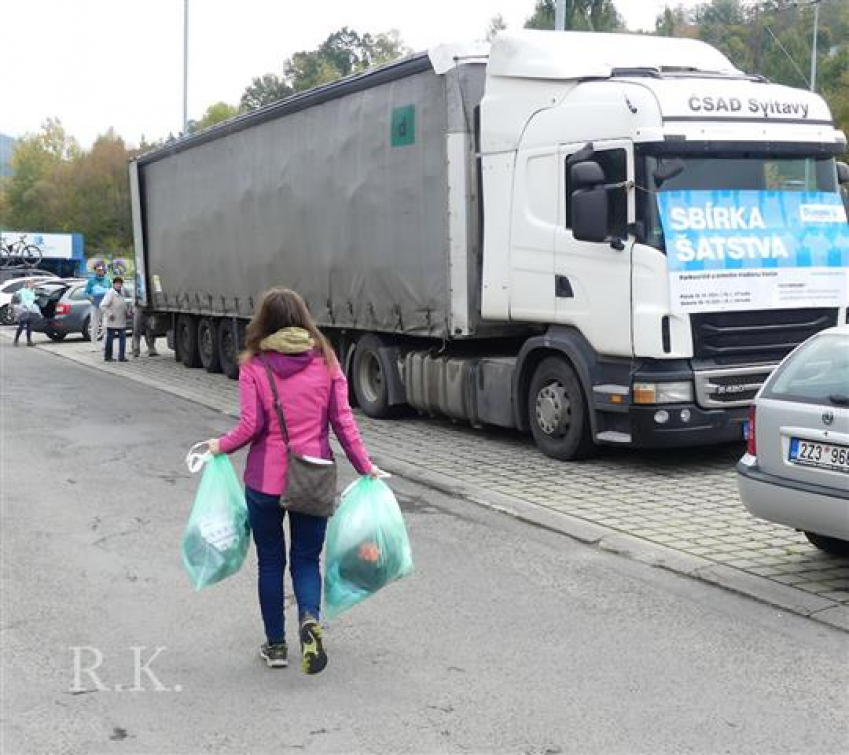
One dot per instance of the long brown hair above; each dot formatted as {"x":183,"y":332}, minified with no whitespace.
{"x":282,"y":308}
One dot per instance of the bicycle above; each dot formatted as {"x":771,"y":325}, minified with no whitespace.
{"x":18,"y":254}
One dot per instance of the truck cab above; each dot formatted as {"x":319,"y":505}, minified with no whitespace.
{"x":584,"y":140}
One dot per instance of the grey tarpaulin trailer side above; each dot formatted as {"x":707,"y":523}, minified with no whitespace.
{"x":377,"y":229}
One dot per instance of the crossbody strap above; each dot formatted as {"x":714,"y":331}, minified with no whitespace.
{"x":281,"y":418}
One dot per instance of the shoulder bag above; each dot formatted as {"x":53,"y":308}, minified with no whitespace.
{"x":310,"y":482}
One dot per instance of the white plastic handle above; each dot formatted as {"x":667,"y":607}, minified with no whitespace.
{"x":380,"y":476}
{"x":196,"y":459}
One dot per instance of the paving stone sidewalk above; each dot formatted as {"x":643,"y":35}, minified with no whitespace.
{"x":675,"y":509}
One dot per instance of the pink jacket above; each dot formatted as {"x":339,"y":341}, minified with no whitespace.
{"x":313,"y":399}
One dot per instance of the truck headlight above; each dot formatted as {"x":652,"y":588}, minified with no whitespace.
{"x":680,"y":392}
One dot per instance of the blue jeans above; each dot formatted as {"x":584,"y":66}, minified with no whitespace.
{"x":121,"y":335}
{"x":307,"y":534}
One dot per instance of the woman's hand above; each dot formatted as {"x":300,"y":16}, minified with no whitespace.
{"x":375,"y":472}
{"x":214,"y":446}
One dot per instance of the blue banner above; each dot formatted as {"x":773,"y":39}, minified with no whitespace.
{"x":745,"y":230}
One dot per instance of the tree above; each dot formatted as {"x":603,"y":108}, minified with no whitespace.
{"x":215,"y":113}
{"x":29,"y":192}
{"x":773,"y":38}
{"x":343,"y":53}
{"x":264,"y":90}
{"x":580,"y":15}
{"x":496,"y":25}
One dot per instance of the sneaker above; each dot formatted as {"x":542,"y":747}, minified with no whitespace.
{"x":30,"y":343}
{"x":123,"y":359}
{"x":275,"y":654}
{"x":314,"y":659}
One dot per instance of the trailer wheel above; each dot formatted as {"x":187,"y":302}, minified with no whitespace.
{"x":369,"y":375}
{"x":208,"y":344}
{"x":558,"y":412}
{"x":187,"y":341}
{"x":228,"y":348}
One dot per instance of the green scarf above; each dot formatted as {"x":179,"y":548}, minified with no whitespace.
{"x":288,"y":341}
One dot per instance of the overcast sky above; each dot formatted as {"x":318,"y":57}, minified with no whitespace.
{"x":96,"y":64}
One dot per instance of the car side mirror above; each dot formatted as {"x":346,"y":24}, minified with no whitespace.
{"x":842,"y":173}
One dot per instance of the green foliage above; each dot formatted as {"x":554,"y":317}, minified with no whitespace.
{"x":220,"y":111}
{"x":58,"y":187}
{"x":581,"y":15}
{"x":343,"y":53}
{"x":264,"y":90}
{"x":774,"y":39}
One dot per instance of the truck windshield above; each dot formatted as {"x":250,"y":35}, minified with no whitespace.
{"x":741,"y":172}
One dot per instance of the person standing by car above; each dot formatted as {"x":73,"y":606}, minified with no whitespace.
{"x":314,"y":396}
{"x":114,"y":308}
{"x":97,"y":287}
{"x":28,"y":311}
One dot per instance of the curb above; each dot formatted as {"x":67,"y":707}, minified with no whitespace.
{"x":785,"y":597}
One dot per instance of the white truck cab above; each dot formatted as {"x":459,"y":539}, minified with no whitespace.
{"x":580,"y":133}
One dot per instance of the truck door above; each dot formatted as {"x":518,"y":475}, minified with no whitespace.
{"x":593,"y":281}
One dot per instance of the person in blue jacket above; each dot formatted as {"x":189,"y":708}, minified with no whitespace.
{"x":96,"y":288}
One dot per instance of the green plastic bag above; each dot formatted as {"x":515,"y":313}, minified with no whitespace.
{"x":217,"y":535}
{"x":367,"y":546}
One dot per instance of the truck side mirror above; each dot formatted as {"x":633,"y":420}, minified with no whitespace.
{"x":585,"y":174}
{"x":842,"y":173}
{"x":590,"y":214}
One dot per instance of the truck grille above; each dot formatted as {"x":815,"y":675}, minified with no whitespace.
{"x":730,"y":387}
{"x":761,"y":335}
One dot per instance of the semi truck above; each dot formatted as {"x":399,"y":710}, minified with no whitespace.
{"x":603,"y":239}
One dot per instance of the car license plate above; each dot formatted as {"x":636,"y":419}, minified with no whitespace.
{"x":814,"y":454}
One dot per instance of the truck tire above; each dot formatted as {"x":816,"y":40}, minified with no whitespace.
{"x":228,"y":348}
{"x":208,"y":344}
{"x":187,"y":341}
{"x":369,"y":377}
{"x":558,"y":412}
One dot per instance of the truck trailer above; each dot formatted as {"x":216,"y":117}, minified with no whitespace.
{"x":597,"y":238}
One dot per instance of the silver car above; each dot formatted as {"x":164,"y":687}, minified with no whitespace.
{"x":796,"y":467}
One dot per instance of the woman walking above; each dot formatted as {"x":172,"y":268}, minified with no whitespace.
{"x":313,"y":393}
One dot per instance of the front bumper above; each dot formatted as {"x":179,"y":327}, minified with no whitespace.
{"x":705,"y":426}
{"x":803,"y":506}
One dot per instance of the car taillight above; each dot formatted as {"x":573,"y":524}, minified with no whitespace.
{"x":63,"y":309}
{"x":751,"y":445}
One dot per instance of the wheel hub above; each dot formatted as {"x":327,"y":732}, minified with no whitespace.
{"x":552,"y":409}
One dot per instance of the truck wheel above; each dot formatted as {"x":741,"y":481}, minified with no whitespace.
{"x":208,"y":344}
{"x":558,"y":412}
{"x":187,"y":340}
{"x":369,"y":375}
{"x":228,"y":348}
{"x":832,"y":545}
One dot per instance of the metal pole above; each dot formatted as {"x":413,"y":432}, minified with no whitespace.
{"x":185,"y":66}
{"x":814,"y":48}
{"x":560,"y":15}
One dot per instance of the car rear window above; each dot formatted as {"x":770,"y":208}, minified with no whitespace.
{"x":819,"y":369}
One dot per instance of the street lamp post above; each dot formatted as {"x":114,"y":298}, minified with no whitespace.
{"x":814,"y":46}
{"x":560,"y":15}
{"x":185,"y":66}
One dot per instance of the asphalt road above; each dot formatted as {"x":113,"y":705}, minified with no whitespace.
{"x":508,"y":638}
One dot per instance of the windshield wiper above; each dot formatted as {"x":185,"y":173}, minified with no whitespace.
{"x":839,"y":399}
